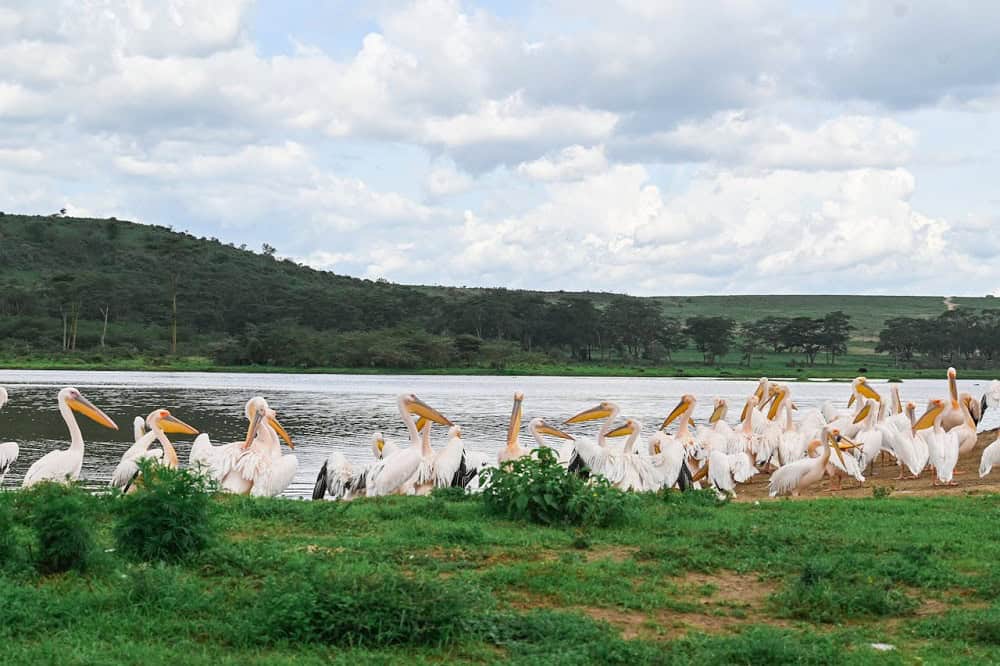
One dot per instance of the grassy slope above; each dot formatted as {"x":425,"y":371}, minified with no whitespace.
{"x":42,"y":259}
{"x":809,"y":582}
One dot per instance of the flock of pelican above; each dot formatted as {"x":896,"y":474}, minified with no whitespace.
{"x":795,"y":448}
{"x":253,"y":466}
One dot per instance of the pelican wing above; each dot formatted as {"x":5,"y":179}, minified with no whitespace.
{"x":126,"y":471}
{"x":991,"y":457}
{"x":8,"y":455}
{"x":741,"y":467}
{"x":669,"y":461}
{"x":850,"y":466}
{"x":448,"y":463}
{"x":276,"y":476}
{"x":60,"y":466}
{"x":786,"y":479}
{"x":392,"y":473}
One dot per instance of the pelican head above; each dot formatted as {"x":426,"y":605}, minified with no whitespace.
{"x":73,"y":399}
{"x":257,"y":412}
{"x":748,"y":408}
{"x":656,"y":442}
{"x":455,"y":432}
{"x":863,"y":388}
{"x":719,"y":412}
{"x":934,"y":409}
{"x":162,"y":419}
{"x":539,"y":425}
{"x":603,"y":410}
{"x":415,"y":405}
{"x":685,"y":405}
{"x":778,"y":396}
{"x":630,"y":428}
{"x":378,"y":442}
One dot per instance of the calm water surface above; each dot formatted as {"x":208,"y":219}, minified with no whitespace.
{"x":327,"y":412}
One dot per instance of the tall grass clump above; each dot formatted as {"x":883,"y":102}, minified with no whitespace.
{"x":61,"y":517}
{"x":168,"y":517}
{"x":536,"y":488}
{"x":826,"y":592}
{"x":8,"y":542}
{"x":363,"y":606}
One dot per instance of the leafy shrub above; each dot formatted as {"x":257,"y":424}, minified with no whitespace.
{"x":8,"y":543}
{"x":536,"y":488}
{"x":168,"y":518}
{"x":369,"y":607}
{"x":451,"y":494}
{"x":977,"y":626}
{"x":61,"y":516}
{"x":825,"y":592}
{"x":882,"y":492}
{"x":694,"y":498}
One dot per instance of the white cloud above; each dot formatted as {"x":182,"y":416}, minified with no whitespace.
{"x":570,"y":163}
{"x":445,"y":180}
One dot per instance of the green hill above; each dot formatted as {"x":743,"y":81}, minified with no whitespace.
{"x":63,"y":277}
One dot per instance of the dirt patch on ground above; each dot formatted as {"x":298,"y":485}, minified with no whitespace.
{"x":612,"y":553}
{"x":966,"y":475}
{"x":724,"y":601}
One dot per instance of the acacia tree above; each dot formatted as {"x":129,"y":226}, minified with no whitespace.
{"x":712,"y":336}
{"x":836,"y":331}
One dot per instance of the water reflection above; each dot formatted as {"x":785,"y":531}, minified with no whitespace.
{"x":326,"y":412}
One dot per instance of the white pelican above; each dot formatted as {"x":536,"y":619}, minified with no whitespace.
{"x":513,"y":450}
{"x":344,"y":481}
{"x":64,"y":465}
{"x":725,"y":470}
{"x":682,"y":411}
{"x":991,"y":457}
{"x":942,"y":444}
{"x":953,"y":416}
{"x":637,"y":472}
{"x":870,"y":437}
{"x":538,"y":427}
{"x":596,"y":457}
{"x":793,"y":478}
{"x":990,"y":408}
{"x":160,"y":422}
{"x":8,"y":450}
{"x":717,"y":432}
{"x":395,"y":474}
{"x":255,"y":465}
{"x":910,"y":449}
{"x":668,"y":455}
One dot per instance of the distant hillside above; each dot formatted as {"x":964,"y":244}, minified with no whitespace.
{"x":62,"y":277}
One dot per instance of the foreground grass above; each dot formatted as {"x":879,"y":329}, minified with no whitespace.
{"x":422,"y":580}
{"x":771,"y":365}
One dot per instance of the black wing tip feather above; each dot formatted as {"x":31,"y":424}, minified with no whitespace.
{"x":319,"y":489}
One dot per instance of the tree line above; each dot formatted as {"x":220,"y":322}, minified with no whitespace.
{"x":116,"y":289}
{"x":957,"y":337}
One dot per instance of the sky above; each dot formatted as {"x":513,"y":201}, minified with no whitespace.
{"x":639,"y":146}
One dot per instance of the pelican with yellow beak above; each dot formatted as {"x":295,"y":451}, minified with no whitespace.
{"x":942,"y":445}
{"x":793,"y":478}
{"x":401,"y":472}
{"x":159,"y":422}
{"x":513,"y":449}
{"x":254,"y":465}
{"x":589,"y":455}
{"x":63,"y":466}
{"x":638,"y":473}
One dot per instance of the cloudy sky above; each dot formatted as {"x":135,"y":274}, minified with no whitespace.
{"x":641,"y":146}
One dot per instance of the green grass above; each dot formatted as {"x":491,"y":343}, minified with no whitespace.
{"x":686,"y":364}
{"x":440,"y":580}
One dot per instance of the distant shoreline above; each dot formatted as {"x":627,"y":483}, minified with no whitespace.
{"x":816,"y":373}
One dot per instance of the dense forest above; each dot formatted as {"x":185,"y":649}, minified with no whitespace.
{"x":102,"y":289}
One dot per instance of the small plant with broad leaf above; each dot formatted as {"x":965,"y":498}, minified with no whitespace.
{"x":537,"y":488}
{"x":167,"y":518}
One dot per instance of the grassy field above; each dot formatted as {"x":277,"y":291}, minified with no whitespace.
{"x":438,"y":580}
{"x":686,"y":364}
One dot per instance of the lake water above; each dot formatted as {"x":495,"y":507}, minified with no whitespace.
{"x":327,"y":412}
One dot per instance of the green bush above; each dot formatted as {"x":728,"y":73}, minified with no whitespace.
{"x":827,"y":592}
{"x":8,"y":542}
{"x":537,"y":488}
{"x":168,"y":518}
{"x":61,"y":517}
{"x":362,"y":606}
{"x":976,"y":626}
